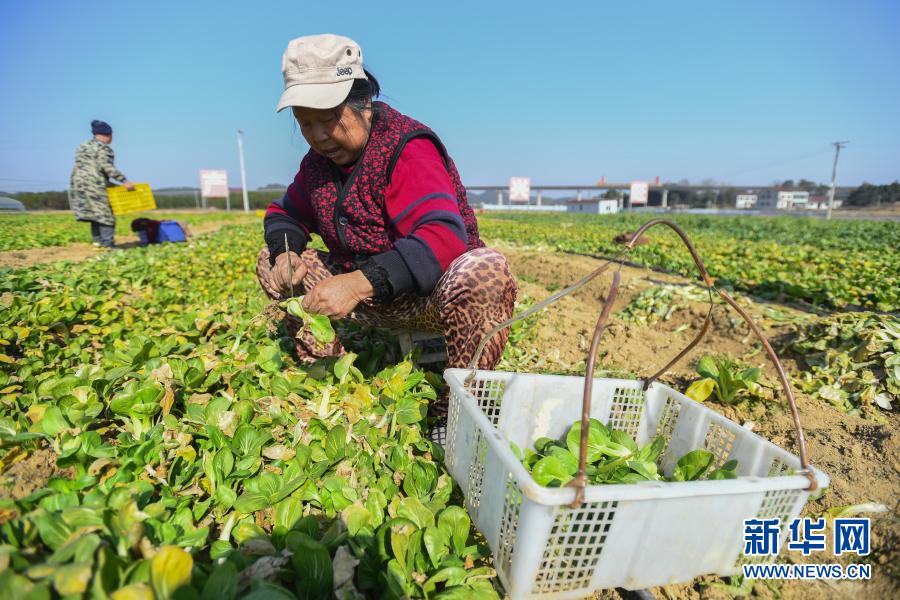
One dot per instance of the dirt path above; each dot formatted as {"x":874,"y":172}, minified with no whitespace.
{"x":80,"y":252}
{"x":861,"y":457}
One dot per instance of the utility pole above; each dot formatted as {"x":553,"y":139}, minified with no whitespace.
{"x":243,"y":172}
{"x":837,"y":152}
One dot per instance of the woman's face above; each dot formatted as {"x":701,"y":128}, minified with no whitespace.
{"x":339,"y":134}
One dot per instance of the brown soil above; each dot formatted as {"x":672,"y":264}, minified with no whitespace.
{"x":861,"y":457}
{"x":30,"y":474}
{"x":568,"y":324}
{"x":80,"y":252}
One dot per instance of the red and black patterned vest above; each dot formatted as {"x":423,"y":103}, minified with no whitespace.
{"x":351,"y":216}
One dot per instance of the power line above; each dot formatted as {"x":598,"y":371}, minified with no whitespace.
{"x":779,"y":163}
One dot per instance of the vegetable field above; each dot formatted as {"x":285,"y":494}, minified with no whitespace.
{"x":159,"y":440}
{"x":836,"y":264}
{"x":192,"y":453}
{"x":20,"y":232}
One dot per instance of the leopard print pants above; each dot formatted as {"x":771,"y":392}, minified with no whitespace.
{"x":476,"y":292}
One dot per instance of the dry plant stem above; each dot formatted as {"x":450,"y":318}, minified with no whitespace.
{"x":580,"y":479}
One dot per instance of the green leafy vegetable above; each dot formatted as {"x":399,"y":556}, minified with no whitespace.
{"x":318,"y":325}
{"x":613,"y":457}
{"x":823,"y":263}
{"x":193,"y":451}
{"x":550,"y":471}
{"x":660,"y":302}
{"x":693,"y":465}
{"x":724,"y":377}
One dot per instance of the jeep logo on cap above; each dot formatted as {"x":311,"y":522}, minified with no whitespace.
{"x":342,"y":71}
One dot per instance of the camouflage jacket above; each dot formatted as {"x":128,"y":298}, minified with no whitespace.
{"x":93,"y":169}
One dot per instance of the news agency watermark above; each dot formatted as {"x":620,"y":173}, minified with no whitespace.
{"x":809,"y":572}
{"x":762,"y":538}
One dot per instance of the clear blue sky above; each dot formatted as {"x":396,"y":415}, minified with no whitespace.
{"x":742,"y":92}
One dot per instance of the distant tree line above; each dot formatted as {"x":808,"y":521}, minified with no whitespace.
{"x":875,"y":195}
{"x":724,"y":197}
{"x":804,"y":184}
{"x":43,"y":200}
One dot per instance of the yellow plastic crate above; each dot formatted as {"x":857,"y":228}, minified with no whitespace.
{"x":123,"y":202}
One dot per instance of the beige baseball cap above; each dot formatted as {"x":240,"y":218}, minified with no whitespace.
{"x":319,"y":71}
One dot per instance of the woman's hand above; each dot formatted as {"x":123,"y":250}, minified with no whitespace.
{"x":279,"y":274}
{"x":337,"y":296}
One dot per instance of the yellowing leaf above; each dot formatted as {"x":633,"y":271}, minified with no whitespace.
{"x":228,"y":422}
{"x":40,"y":571}
{"x":856,"y":509}
{"x":98,"y":466}
{"x":169,"y":570}
{"x":187,"y":453}
{"x":167,"y":400}
{"x":137,"y":591}
{"x":701,"y":390}
{"x":36,"y":412}
{"x":72,"y":579}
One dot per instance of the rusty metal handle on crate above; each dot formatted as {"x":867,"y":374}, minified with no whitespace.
{"x":473,"y":364}
{"x":782,"y":376}
{"x":580,"y":480}
{"x":704,"y":274}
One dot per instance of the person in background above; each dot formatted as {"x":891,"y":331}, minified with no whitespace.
{"x":385,"y":197}
{"x":151,"y":231}
{"x":91,"y":175}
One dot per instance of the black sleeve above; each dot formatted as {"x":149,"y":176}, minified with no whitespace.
{"x":397,"y":271}
{"x":380,"y":280}
{"x":276,"y":227}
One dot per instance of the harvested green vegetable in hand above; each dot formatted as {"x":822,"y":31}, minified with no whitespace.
{"x":613,"y":457}
{"x":318,"y":325}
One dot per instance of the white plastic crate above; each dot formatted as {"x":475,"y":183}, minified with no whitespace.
{"x":632,"y":536}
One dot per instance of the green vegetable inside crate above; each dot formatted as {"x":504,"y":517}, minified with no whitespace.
{"x":613,"y":457}
{"x":319,"y":325}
